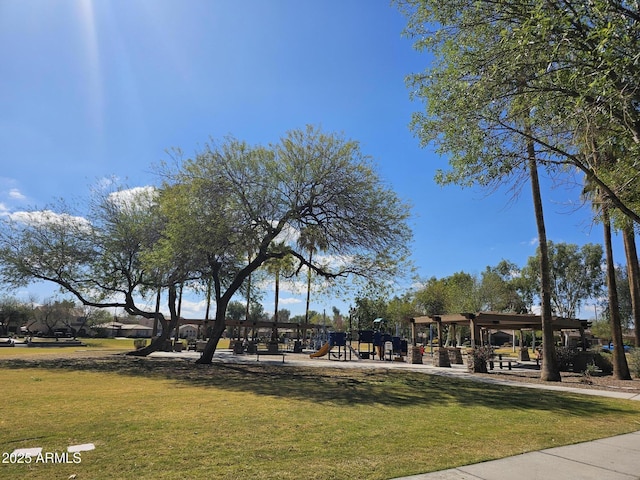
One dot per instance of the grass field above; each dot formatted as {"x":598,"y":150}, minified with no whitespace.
{"x":93,"y":344}
{"x":172,"y":419}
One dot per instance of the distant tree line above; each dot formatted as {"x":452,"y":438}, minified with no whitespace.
{"x":577,"y":277}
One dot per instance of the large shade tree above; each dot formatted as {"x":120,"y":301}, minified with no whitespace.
{"x":98,"y":256}
{"x":513,"y":86}
{"x":254,"y":198}
{"x":13,"y":314}
{"x":230,"y":199}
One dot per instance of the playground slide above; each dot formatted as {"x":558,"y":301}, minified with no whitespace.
{"x":355,"y":352}
{"x":324,"y":349}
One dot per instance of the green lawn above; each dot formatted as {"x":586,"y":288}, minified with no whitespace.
{"x":92,"y":345}
{"x":168,"y":419}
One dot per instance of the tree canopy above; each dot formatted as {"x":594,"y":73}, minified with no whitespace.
{"x":576,"y":275}
{"x":569,"y":69}
{"x":215,"y":219}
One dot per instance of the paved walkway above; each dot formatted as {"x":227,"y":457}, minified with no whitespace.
{"x":614,"y":458}
{"x":458,"y":371}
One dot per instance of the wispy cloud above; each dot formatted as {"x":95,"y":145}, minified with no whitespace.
{"x":16,"y":194}
{"x":289,"y":301}
{"x":533,"y":242}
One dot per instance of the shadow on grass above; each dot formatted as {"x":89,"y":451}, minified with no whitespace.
{"x":337,"y":386}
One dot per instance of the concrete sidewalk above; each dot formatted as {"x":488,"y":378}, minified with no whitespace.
{"x":459,"y":371}
{"x":614,"y":458}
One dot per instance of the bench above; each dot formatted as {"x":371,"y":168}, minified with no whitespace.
{"x":268,"y":353}
{"x":502,"y":361}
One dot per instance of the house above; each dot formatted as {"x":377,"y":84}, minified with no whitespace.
{"x":117,"y":329}
{"x":190,"y":332}
{"x":500,"y":337}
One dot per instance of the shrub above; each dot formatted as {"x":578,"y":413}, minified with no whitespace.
{"x":565,"y":357}
{"x":588,"y":373}
{"x":478,"y":357}
{"x":603,"y":362}
{"x":634,"y":362}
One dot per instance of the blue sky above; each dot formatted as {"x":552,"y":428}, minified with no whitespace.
{"x":92,"y":89}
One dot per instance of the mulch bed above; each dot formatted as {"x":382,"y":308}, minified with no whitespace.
{"x":576,"y":380}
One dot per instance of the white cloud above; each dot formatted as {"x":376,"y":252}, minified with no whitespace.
{"x":194,"y":309}
{"x":4,"y":210}
{"x":288,"y":235}
{"x":134,"y":197}
{"x":533,"y":242}
{"x":16,"y":194}
{"x":335,"y":261}
{"x":289,"y":301}
{"x":47,"y":217}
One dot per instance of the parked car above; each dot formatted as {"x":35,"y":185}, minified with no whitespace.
{"x":609,"y":348}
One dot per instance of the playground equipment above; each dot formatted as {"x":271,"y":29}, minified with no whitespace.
{"x":389,"y":347}
{"x":336,"y":340}
{"x":366,"y":337}
{"x":370,"y":343}
{"x":322,"y":351}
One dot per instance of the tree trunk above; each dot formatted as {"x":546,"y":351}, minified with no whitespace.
{"x":306,"y":310}
{"x":167,"y":327}
{"x":154,"y":332}
{"x":274,"y":331}
{"x":633,"y":272}
{"x":202,"y":333}
{"x":179,"y":312}
{"x":549,"y":371}
{"x":219,"y":325}
{"x":157,"y":343}
{"x":619,"y":360}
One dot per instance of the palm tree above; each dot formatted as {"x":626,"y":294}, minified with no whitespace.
{"x":601,"y":204}
{"x":283,"y":263}
{"x":620,"y":366}
{"x":633,"y":273}
{"x":550,"y":370}
{"x":312,"y":241}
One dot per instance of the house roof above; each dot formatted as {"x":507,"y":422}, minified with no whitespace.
{"x":109,"y":325}
{"x":122,"y":326}
{"x":131,"y":326}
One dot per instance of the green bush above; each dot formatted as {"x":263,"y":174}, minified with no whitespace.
{"x":603,"y":362}
{"x":478,"y":357}
{"x":565,"y":357}
{"x":634,"y":362}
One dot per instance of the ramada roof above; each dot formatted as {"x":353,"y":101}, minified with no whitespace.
{"x":503,"y":321}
